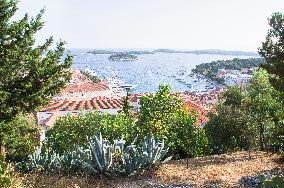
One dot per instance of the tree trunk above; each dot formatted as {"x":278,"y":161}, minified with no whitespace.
{"x":35,"y":116}
{"x":187,"y":165}
{"x":249,"y":151}
{"x":2,"y":148}
{"x":261,"y":136}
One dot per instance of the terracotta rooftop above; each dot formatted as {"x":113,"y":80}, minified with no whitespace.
{"x":85,"y":87}
{"x":96,"y":103}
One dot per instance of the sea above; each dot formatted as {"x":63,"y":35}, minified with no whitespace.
{"x":150,"y":70}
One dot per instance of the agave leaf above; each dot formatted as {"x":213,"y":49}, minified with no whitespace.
{"x":167,"y":159}
{"x":88,"y":168}
{"x":96,"y":155}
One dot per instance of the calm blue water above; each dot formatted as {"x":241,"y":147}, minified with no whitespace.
{"x":149,"y":71}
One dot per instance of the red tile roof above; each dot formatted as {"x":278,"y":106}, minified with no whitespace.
{"x":85,"y":87}
{"x":96,"y":103}
{"x":196,"y":102}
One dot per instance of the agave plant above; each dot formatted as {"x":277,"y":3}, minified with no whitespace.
{"x":133,"y":159}
{"x":69,"y":161}
{"x":98,"y":158}
{"x":154,"y":151}
{"x":151,"y":153}
{"x":43,"y":160}
{"x":119,"y":145}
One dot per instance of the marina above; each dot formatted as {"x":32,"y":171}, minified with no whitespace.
{"x":146,"y":73}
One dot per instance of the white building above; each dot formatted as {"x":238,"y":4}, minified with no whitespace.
{"x":237,"y":79}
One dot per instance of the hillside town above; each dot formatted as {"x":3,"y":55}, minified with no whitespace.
{"x":235,"y":77}
{"x":82,"y":95}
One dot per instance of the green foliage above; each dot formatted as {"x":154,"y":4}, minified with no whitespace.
{"x":71,"y":131}
{"x":263,"y":103}
{"x":272,"y":50}
{"x":126,"y":104}
{"x":5,"y":175}
{"x":277,"y":137}
{"x":244,"y":117}
{"x":158,"y":113}
{"x":268,"y":181}
{"x":210,"y":69}
{"x":30,"y":74}
{"x":166,"y":116}
{"x":230,"y":127}
{"x":20,"y":137}
{"x":163,"y":115}
{"x":185,"y":136}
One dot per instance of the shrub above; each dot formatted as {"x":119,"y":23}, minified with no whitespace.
{"x":187,"y":137}
{"x":7,"y":176}
{"x":17,"y":147}
{"x":231,"y":128}
{"x":71,"y":131}
{"x":158,"y":113}
{"x":166,"y":116}
{"x":267,"y":179}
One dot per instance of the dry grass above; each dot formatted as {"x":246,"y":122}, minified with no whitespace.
{"x":222,"y":171}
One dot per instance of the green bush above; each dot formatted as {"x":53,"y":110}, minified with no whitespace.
{"x":71,"y":131}
{"x":270,"y":181}
{"x":231,"y":128}
{"x":5,"y":179}
{"x":187,"y":137}
{"x":158,"y":113}
{"x":7,"y":176}
{"x":20,"y":137}
{"x":166,"y":116}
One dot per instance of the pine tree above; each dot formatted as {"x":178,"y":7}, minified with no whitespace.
{"x":126,"y":104}
{"x":272,"y":50}
{"x":30,"y":74}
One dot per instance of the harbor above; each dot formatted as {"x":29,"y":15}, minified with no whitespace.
{"x":150,"y":70}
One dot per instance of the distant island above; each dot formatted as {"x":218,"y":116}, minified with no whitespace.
{"x":123,"y":57}
{"x":197,"y":52}
{"x":210,"y":51}
{"x":111,"y":52}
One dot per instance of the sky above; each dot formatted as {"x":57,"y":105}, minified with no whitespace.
{"x":141,"y":24}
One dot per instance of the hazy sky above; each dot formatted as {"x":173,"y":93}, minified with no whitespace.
{"x":180,"y":24}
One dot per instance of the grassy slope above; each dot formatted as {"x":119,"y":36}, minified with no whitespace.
{"x":222,"y":170}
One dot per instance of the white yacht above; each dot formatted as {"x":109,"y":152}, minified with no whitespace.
{"x":128,"y":86}
{"x":116,"y":85}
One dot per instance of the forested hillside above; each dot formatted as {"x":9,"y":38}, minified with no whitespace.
{"x":210,"y":69}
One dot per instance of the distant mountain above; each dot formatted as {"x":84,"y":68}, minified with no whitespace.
{"x":197,"y":52}
{"x":110,"y":52}
{"x":209,"y":51}
{"x":100,"y":52}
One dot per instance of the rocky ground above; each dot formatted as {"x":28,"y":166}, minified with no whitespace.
{"x":212,"y":171}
